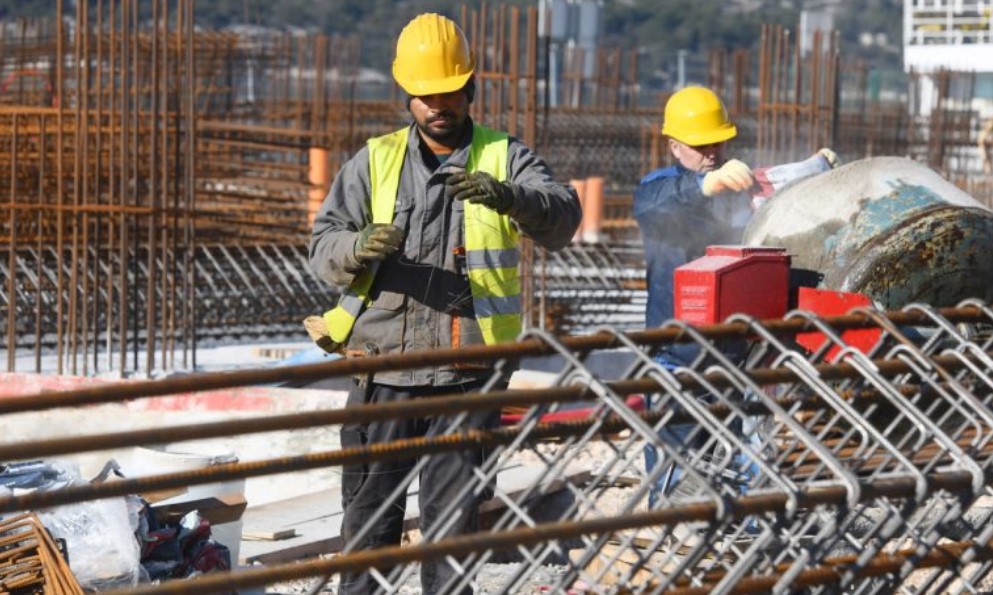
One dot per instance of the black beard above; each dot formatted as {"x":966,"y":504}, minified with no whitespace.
{"x":449,"y":138}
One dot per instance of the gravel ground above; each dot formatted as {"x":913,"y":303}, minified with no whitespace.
{"x":494,"y":577}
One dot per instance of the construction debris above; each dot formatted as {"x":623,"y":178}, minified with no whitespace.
{"x":119,"y":542}
{"x":31,"y":563}
{"x":181,"y":548}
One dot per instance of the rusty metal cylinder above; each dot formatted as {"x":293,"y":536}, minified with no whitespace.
{"x":888,"y":227}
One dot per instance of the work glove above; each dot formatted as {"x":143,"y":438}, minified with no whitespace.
{"x":377,"y":241}
{"x":830,"y":156}
{"x":480,"y":188}
{"x":733,"y":176}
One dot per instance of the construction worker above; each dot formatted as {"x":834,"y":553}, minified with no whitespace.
{"x":674,"y":208}
{"x":420,"y":231}
{"x":673,"y":205}
{"x":702,"y":200}
{"x":678,"y":208}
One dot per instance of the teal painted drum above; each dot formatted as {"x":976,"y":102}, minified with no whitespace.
{"x":887,"y":227}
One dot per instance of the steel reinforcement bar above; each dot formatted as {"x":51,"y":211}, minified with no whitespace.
{"x":755,"y":466}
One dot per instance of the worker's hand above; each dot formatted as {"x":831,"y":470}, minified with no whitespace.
{"x":377,"y":241}
{"x":480,"y":188}
{"x":830,"y":156}
{"x":733,"y":176}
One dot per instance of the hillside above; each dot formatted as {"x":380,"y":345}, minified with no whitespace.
{"x":660,"y":28}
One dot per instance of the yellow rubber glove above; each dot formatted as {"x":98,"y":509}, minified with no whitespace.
{"x":830,"y":156}
{"x":733,"y":176}
{"x":377,"y":241}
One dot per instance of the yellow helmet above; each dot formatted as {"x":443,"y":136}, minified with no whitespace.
{"x":432,"y":56}
{"x":696,"y":116}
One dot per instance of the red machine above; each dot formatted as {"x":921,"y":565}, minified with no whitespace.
{"x":834,"y":303}
{"x":731,"y":280}
{"x":757,"y":281}
{"x":727,"y":280}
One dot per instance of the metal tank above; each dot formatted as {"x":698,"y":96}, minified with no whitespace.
{"x":887,"y":227}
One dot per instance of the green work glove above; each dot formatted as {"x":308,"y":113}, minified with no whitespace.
{"x":480,"y":188}
{"x":733,"y":176}
{"x":377,"y":241}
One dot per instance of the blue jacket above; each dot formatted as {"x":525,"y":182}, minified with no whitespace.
{"x":677,"y":224}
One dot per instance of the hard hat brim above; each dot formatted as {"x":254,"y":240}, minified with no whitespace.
{"x":725,"y":133}
{"x":432,"y":87}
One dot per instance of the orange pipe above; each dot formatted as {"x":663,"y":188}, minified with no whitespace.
{"x":580,"y":186}
{"x":593,"y":209}
{"x":319,"y":176}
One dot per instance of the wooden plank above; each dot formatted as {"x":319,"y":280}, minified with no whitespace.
{"x":154,"y":497}
{"x":316,"y":518}
{"x":225,"y":508}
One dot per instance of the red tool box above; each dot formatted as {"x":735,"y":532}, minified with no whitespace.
{"x":753,"y":280}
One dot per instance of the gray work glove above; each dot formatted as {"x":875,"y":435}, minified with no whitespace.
{"x":480,"y":188}
{"x":377,"y":241}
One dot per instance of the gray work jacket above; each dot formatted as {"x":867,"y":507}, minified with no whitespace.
{"x":418,"y":292}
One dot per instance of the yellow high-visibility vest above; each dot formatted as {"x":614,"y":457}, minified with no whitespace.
{"x":492,"y":254}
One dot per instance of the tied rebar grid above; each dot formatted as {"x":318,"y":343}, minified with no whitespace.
{"x":134,"y":137}
{"x":783,"y":486}
{"x":257,"y":291}
{"x":832,"y":470}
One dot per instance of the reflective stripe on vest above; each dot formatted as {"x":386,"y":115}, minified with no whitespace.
{"x":492,"y":255}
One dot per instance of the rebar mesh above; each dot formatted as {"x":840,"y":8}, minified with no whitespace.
{"x":31,"y":562}
{"x":265,"y":291}
{"x":776,"y":469}
{"x":816,"y":483}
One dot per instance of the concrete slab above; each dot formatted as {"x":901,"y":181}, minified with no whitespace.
{"x":184,"y":410}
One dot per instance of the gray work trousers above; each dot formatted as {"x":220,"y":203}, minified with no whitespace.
{"x":364,"y":487}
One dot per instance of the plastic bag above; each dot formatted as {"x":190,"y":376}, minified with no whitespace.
{"x":101,"y":547}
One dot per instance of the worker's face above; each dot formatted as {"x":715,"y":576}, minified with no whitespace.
{"x":701,"y":158}
{"x":440,"y":117}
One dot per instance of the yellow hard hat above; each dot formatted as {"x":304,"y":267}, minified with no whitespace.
{"x":432,"y":56}
{"x":696,"y":116}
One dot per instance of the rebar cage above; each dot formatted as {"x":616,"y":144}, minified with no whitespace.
{"x":751,"y":465}
{"x":850,"y":471}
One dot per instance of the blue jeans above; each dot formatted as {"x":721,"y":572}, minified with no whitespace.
{"x":676,"y":435}
{"x":681,"y":437}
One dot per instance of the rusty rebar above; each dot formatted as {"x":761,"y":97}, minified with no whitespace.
{"x":460,"y":546}
{"x":486,"y":353}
